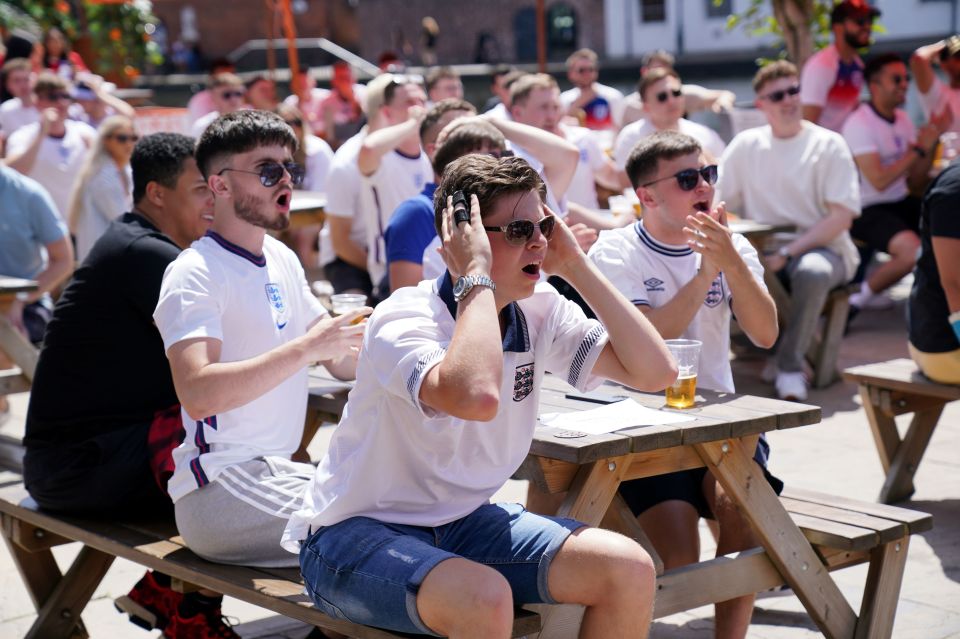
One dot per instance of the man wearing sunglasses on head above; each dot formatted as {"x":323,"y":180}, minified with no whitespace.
{"x":684,"y":269}
{"x":240,"y":326}
{"x":935,"y":95}
{"x":796,"y":173}
{"x":663,"y":105}
{"x":833,"y":77}
{"x":443,"y":412}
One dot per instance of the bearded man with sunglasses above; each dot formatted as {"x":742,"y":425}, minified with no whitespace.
{"x":796,"y":173}
{"x":687,"y":273}
{"x":663,"y":105}
{"x":833,"y":77}
{"x":397,"y":529}
{"x":240,"y":326}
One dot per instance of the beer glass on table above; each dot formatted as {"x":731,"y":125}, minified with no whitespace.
{"x":344,"y":302}
{"x":687,"y":354}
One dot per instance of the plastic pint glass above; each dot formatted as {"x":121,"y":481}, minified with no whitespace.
{"x":687,"y":354}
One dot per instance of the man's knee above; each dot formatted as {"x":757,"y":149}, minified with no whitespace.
{"x":813,"y":273}
{"x":459,"y":595}
{"x":624,"y":567}
{"x":904,"y":246}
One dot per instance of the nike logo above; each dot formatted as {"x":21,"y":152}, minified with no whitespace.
{"x":281,"y":326}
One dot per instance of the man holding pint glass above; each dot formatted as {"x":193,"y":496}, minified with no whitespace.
{"x":684,"y":269}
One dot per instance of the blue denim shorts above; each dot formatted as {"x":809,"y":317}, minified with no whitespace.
{"x":369,"y":572}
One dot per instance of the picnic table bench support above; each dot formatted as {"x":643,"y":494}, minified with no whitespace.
{"x":59,"y":599}
{"x":899,"y":457}
{"x":786,"y":546}
{"x":887,"y":563}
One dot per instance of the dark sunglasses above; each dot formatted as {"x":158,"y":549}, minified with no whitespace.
{"x":862,"y":22}
{"x":897,"y":79}
{"x":229,"y":95}
{"x":519,"y":232}
{"x":778,"y":96}
{"x":272,"y":172}
{"x":582,"y":70}
{"x":663,"y":95}
{"x":295,"y":122}
{"x":123,"y":138}
{"x":688,"y":179}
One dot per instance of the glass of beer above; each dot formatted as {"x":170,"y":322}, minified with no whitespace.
{"x":687,"y":354}
{"x":344,"y":302}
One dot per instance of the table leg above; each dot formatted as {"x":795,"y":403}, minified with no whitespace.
{"x":887,"y":563}
{"x":593,"y":490}
{"x":15,"y":345}
{"x":899,"y":482}
{"x":732,"y":465}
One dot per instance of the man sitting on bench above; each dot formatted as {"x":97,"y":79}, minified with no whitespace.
{"x":103,"y":415}
{"x":795,"y":172}
{"x":397,"y":530}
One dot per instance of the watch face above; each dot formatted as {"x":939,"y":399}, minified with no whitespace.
{"x":458,"y":287}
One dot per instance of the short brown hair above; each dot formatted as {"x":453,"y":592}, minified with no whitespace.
{"x":774,"y":71}
{"x":17,"y":64}
{"x":225,"y":80}
{"x":428,"y":128}
{"x":438,"y":73}
{"x":653,"y":76}
{"x":465,"y":138}
{"x":49,"y":83}
{"x":521,"y":89}
{"x":646,"y":155}
{"x":488,"y":178}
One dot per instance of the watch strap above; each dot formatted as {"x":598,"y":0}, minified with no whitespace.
{"x":469,"y":281}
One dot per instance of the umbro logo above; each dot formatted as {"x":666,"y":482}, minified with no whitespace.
{"x":653,"y":284}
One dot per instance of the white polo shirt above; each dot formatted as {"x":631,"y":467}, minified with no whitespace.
{"x":396,"y":460}
{"x":251,"y":304}
{"x":583,"y":186}
{"x":650,"y":272}
{"x":866,"y":132}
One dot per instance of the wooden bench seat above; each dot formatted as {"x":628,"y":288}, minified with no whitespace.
{"x":892,"y":388}
{"x":60,"y":599}
{"x":843,"y":532}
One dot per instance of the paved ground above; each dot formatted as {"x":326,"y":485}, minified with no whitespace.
{"x":836,"y":456}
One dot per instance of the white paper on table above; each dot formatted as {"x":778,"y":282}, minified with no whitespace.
{"x":611,"y":417}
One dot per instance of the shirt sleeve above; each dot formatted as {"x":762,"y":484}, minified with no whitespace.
{"x":930,"y":101}
{"x":941,"y":204}
{"x":20,"y":139}
{"x":573,"y":344}
{"x":858,"y":136}
{"x":318,"y":165}
{"x":729,"y":189}
{"x":625,"y":142}
{"x":841,"y":176}
{"x":612,"y":258}
{"x":410,"y":231}
{"x":748,"y":253}
{"x":343,"y":189}
{"x":190,"y":304}
{"x":815,"y":82}
{"x":47,"y":225}
{"x":402,"y":345}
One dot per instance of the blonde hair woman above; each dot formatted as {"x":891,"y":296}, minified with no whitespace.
{"x":103,"y":190}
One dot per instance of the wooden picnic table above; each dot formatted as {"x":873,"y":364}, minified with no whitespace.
{"x":722,"y":437}
{"x":12,"y":342}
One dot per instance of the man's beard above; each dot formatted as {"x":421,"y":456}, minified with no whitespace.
{"x":853,"y":41}
{"x":247,"y":208}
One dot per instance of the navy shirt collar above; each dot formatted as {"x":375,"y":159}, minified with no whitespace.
{"x":256,"y":260}
{"x":515,"y":338}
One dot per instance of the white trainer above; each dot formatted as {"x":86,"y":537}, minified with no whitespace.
{"x":770,"y":371}
{"x":791,"y":386}
{"x":871,"y":301}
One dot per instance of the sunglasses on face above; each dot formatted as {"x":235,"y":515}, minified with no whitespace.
{"x":663,"y":96}
{"x":272,"y":172}
{"x":56,"y":97}
{"x":900,"y":79}
{"x":123,"y":138}
{"x":778,"y":96}
{"x":296,"y":122}
{"x":862,"y":22}
{"x":688,"y":179}
{"x":519,"y":232}
{"x":586,"y":70}
{"x":231,"y":95}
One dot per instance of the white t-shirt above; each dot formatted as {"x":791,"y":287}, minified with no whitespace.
{"x":938,"y":98}
{"x":791,"y":180}
{"x":343,"y":196}
{"x":604,"y":112}
{"x":636,"y":131}
{"x":107,"y":196}
{"x":14,"y":115}
{"x":396,"y":460}
{"x":650,"y":272}
{"x":252,"y":305}
{"x":828,"y":82}
{"x":59,"y":159}
{"x":398,"y":178}
{"x":583,"y":187}
{"x":866,"y":132}
{"x":319,"y":158}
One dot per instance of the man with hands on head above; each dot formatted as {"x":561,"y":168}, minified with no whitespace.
{"x":240,"y":326}
{"x":443,"y":412}
{"x":684,"y":269}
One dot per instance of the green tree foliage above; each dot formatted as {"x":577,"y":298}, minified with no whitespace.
{"x":118,"y":31}
{"x":800,"y":26}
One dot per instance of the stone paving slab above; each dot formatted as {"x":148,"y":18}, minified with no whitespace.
{"x":836,"y":456}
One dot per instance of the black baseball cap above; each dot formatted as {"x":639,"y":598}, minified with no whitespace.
{"x":853,"y":9}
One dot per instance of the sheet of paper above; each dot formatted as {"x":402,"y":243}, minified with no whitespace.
{"x":606,"y":419}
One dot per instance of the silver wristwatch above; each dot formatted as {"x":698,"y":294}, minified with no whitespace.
{"x":465,"y":283}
